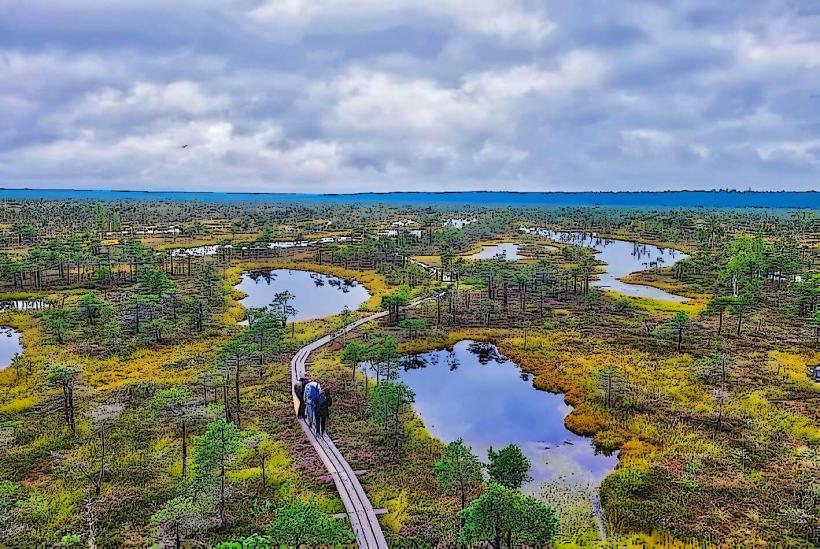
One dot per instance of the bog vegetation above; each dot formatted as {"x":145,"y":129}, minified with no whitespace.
{"x":141,"y":411}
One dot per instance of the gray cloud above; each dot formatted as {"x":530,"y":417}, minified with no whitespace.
{"x":351,"y":95}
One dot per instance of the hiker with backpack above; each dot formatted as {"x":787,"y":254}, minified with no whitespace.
{"x":312,"y":392}
{"x":323,"y":412}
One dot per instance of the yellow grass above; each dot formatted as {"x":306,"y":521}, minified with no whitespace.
{"x":160,"y":243}
{"x":100,"y":373}
{"x":568,"y":362}
{"x":19,"y":405}
{"x":658,"y":306}
{"x":637,"y":541}
{"x":794,"y":366}
{"x":430,"y":260}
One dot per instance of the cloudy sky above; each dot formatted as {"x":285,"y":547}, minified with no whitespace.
{"x":361,"y":95}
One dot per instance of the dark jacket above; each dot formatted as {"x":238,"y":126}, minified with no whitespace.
{"x":324,"y":408}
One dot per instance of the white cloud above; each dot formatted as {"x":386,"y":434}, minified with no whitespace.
{"x":215,"y":152}
{"x":781,"y":52}
{"x":42,"y":71}
{"x":142,"y":103}
{"x":700,"y":150}
{"x":653,"y":143}
{"x":377,"y":103}
{"x":575,"y":70}
{"x":646,"y":142}
{"x":385,"y":104}
{"x":362,"y":95}
{"x":799,"y":152}
{"x":494,"y":153}
{"x":761,"y":119}
{"x":182,"y":96}
{"x":503,"y":19}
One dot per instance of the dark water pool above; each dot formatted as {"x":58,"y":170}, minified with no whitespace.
{"x":9,"y":345}
{"x":316,"y":295}
{"x":475,"y":393}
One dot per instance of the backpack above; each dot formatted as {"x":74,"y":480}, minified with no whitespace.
{"x":312,"y":391}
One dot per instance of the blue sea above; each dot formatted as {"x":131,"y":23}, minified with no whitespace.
{"x":666,"y":199}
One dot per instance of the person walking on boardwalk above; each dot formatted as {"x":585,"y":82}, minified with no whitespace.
{"x":323,"y":412}
{"x":312,"y":392}
{"x":299,"y":391}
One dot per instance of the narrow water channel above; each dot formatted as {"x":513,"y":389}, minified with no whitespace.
{"x":213,"y":249}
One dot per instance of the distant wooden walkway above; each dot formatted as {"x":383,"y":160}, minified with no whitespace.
{"x":362,"y":516}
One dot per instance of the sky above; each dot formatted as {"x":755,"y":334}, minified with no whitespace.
{"x":415,"y":95}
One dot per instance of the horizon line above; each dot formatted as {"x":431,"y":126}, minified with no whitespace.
{"x":361,"y":193}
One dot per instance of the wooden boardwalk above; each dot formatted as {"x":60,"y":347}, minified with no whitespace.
{"x":362,"y":516}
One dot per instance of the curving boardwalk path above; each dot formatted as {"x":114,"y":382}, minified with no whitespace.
{"x":362,"y":516}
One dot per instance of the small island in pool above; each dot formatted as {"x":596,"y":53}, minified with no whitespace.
{"x":315,"y":295}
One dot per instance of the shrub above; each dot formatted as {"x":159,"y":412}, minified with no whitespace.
{"x":303,"y":522}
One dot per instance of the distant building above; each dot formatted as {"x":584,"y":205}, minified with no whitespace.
{"x":814,"y":373}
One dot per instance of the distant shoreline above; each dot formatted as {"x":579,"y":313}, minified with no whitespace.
{"x":361,"y":193}
{"x":639,"y":199}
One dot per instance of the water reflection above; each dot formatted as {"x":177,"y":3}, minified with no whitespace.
{"x":474,"y":392}
{"x":459,"y":223}
{"x":622,"y":257}
{"x":209,"y":250}
{"x":316,"y":295}
{"x":507,"y":250}
{"x":9,"y":345}
{"x":416,"y":233}
{"x":23,"y":304}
